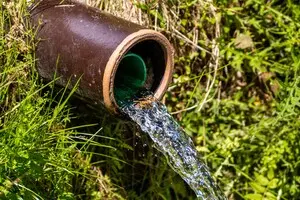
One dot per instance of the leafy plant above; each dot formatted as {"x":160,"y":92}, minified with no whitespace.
{"x":235,"y":90}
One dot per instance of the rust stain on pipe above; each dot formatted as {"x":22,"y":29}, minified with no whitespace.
{"x":78,"y":41}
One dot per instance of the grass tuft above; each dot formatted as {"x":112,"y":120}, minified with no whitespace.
{"x":235,"y":90}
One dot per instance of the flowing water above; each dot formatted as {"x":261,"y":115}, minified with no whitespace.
{"x":153,"y":118}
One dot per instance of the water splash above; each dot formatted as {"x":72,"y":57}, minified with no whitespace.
{"x":153,"y":118}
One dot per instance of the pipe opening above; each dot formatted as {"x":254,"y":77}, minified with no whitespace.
{"x":130,"y":76}
{"x":143,"y":67}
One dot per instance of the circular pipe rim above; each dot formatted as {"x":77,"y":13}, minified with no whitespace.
{"x":121,"y":50}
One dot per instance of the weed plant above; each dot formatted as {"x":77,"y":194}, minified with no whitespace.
{"x":235,"y":91}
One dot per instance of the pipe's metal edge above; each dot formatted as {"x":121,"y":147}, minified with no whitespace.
{"x":121,"y":50}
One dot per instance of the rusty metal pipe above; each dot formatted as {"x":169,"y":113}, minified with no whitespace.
{"x":78,"y":41}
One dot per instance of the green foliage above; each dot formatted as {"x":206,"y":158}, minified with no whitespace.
{"x":41,"y":155}
{"x":248,"y":128}
{"x":243,"y":116}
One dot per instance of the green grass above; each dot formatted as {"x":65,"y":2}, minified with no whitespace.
{"x":235,"y":91}
{"x":248,"y":127}
{"x":42,"y":156}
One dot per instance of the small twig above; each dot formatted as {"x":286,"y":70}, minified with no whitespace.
{"x":216,"y":53}
{"x":155,"y":21}
{"x":183,"y":110}
{"x":214,"y":59}
{"x":182,"y":36}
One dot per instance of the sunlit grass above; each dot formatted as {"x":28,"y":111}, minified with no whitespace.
{"x":43,"y":156}
{"x":242,"y":112}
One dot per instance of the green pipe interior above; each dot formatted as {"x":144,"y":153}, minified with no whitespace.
{"x":131,"y":75}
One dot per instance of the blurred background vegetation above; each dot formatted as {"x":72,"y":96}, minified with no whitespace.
{"x":235,"y":90}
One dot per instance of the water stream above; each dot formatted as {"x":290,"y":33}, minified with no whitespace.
{"x":153,"y":118}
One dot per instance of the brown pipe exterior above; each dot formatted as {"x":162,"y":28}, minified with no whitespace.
{"x":77,"y":41}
